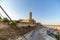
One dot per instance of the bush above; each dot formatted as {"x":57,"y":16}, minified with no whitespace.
{"x":57,"y":37}
{"x":29,"y":26}
{"x":0,"y":18}
{"x":5,"y":20}
{"x":13,"y":23}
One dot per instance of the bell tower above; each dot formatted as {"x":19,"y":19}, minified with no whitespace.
{"x":30,"y":15}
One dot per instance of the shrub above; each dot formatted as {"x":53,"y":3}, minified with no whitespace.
{"x":5,"y":20}
{"x":12,"y":23}
{"x":29,"y":26}
{"x":57,"y":37}
{"x":0,"y":18}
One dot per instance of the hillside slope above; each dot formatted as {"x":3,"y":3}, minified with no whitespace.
{"x":38,"y":34}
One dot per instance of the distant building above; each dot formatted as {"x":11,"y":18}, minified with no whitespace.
{"x":29,"y":20}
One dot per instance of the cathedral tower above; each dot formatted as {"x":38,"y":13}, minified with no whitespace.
{"x":30,"y":16}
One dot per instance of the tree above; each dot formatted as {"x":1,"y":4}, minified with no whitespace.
{"x":0,"y":18}
{"x":57,"y":37}
{"x":5,"y":20}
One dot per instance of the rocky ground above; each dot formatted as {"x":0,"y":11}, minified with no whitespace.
{"x":39,"y":34}
{"x":13,"y":33}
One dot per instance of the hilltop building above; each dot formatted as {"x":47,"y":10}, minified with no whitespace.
{"x":29,"y":20}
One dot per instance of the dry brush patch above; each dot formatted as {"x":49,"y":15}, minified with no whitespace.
{"x":13,"y":32}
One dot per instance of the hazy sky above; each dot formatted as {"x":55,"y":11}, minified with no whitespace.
{"x":44,"y":11}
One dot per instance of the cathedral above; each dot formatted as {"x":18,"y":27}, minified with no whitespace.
{"x":29,"y":20}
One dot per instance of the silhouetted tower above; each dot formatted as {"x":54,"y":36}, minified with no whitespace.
{"x":30,"y":16}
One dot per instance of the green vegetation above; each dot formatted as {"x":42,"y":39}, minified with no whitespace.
{"x":4,"y":20}
{"x":12,"y":23}
{"x":57,"y":37}
{"x":0,"y":18}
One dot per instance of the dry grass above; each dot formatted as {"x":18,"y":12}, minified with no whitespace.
{"x":14,"y":32}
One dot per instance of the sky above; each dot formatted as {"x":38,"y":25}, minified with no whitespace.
{"x":44,"y":11}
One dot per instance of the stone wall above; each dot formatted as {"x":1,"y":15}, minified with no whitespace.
{"x":24,"y":24}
